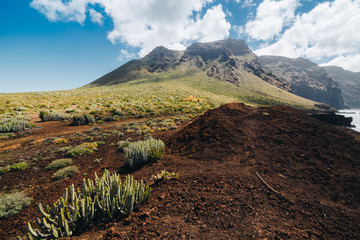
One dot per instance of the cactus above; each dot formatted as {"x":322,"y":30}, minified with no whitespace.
{"x":101,"y":198}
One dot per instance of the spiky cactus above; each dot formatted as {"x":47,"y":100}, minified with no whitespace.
{"x":102,"y":198}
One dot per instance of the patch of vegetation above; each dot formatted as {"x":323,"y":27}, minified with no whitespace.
{"x":12,"y":203}
{"x":14,"y":124}
{"x":65,"y":172}
{"x":141,"y":152}
{"x":164,"y":176}
{"x":59,"y":163}
{"x":60,"y":140}
{"x":5,"y":136}
{"x":46,"y":116}
{"x":14,"y":167}
{"x":83,"y":119}
{"x":101,"y":199}
{"x":84,"y":148}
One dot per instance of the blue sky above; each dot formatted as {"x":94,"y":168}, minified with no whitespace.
{"x":55,"y":44}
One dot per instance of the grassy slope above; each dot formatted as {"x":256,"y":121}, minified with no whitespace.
{"x":158,"y":92}
{"x":252,"y":91}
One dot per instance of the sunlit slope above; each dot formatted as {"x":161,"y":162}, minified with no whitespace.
{"x":251,"y":90}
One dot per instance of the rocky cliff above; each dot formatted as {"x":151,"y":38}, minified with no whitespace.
{"x":306,"y":78}
{"x":349,"y":83}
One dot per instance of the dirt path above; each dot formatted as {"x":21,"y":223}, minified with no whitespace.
{"x":56,"y":129}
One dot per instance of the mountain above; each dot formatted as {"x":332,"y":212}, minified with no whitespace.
{"x":349,"y":83}
{"x":226,"y":65}
{"x":306,"y":78}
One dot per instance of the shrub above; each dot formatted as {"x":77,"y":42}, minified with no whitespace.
{"x":84,"y":119}
{"x":59,"y":163}
{"x":101,"y":199}
{"x":141,"y":152}
{"x":12,"y":203}
{"x":117,"y":112}
{"x":18,"y":166}
{"x":14,"y":124}
{"x":81,"y":149}
{"x":164,"y":176}
{"x":46,"y":116}
{"x":60,"y":140}
{"x":13,"y":168}
{"x":65,"y":172}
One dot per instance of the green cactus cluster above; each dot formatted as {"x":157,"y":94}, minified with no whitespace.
{"x":103,"y":198}
{"x":140,"y":152}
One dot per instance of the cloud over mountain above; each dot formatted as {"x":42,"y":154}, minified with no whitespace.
{"x":146,"y":24}
{"x":330,"y":30}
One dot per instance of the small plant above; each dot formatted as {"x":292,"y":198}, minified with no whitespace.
{"x":46,"y":116}
{"x":164,"y":176}
{"x":65,"y":172}
{"x":12,"y":203}
{"x":84,"y":119}
{"x":60,"y":140}
{"x":141,"y":152}
{"x":59,"y":163}
{"x":99,"y":199}
{"x":81,"y":149}
{"x":18,"y":166}
{"x":14,"y":167}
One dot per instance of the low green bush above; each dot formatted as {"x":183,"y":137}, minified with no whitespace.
{"x":65,"y":172}
{"x":84,"y":119}
{"x":59,"y":163}
{"x":141,"y":152}
{"x":164,"y":176}
{"x":12,"y":203}
{"x":81,"y":149}
{"x":14,"y":124}
{"x":14,"y":167}
{"x":46,"y":116}
{"x":98,"y":200}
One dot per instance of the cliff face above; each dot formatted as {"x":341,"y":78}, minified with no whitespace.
{"x":349,"y":83}
{"x":306,"y":78}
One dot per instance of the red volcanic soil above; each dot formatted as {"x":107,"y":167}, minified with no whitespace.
{"x":244,"y":173}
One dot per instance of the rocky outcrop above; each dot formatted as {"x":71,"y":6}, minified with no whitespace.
{"x":226,"y":59}
{"x":306,"y":78}
{"x":349,"y":83}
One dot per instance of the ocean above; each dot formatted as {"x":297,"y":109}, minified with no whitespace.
{"x":355,"y":114}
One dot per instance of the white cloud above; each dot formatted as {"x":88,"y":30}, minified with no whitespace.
{"x":56,"y":10}
{"x":96,"y":17}
{"x":350,"y":62}
{"x":147,"y":23}
{"x":271,"y":17}
{"x":246,"y":3}
{"x":329,"y":30}
{"x":124,"y":55}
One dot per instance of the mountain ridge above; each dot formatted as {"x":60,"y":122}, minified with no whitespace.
{"x":229,"y":60}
